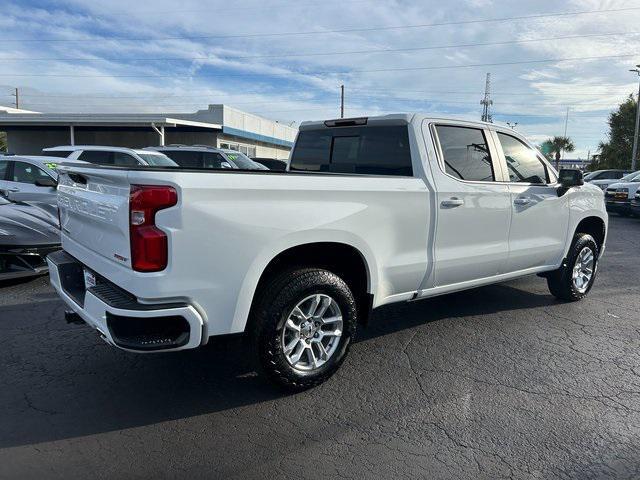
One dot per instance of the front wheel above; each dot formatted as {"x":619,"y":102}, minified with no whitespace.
{"x":573,"y":280}
{"x":303,"y":324}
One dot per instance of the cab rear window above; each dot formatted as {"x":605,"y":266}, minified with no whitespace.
{"x":382,"y":150}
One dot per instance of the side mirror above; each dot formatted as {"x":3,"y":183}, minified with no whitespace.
{"x":567,"y":178}
{"x":46,"y":182}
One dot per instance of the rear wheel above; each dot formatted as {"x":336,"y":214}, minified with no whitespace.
{"x":303,"y":324}
{"x":573,"y":280}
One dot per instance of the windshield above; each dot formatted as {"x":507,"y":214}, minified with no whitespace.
{"x":157,"y":159}
{"x":243,"y":162}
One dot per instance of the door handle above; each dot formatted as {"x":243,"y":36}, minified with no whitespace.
{"x":452,"y":202}
{"x":522,"y":201}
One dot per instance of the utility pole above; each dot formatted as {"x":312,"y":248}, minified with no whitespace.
{"x":341,"y":101}
{"x":634,"y":155}
{"x":17,"y":95}
{"x":566,"y":123}
{"x":486,"y":102}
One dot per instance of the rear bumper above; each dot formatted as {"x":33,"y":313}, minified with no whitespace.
{"x":120,"y":318}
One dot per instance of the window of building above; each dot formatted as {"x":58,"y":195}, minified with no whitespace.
{"x":522,"y":162}
{"x":374,"y":150}
{"x":27,"y":173}
{"x":465,"y":153}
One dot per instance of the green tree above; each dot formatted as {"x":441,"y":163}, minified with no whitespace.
{"x":3,"y":142}
{"x":616,"y":152}
{"x":555,"y":146}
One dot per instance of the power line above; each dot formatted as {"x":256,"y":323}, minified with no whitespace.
{"x":370,"y":93}
{"x":334,"y":53}
{"x":339,"y":72}
{"x":325,"y":32}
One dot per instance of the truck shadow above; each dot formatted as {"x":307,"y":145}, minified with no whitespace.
{"x":61,"y":381}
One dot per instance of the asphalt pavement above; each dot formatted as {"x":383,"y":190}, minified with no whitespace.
{"x":498,"y":382}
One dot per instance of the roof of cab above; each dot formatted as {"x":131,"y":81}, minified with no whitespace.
{"x":391,"y":119}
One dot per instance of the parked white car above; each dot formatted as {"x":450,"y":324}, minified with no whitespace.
{"x":372,"y":211}
{"x":605,"y":183}
{"x":114,"y":156}
{"x":618,"y":196}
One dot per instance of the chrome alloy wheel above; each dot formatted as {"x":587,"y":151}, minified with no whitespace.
{"x":312,"y":332}
{"x":583,"y":269}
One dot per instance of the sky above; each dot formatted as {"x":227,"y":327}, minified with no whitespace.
{"x":286,"y":60}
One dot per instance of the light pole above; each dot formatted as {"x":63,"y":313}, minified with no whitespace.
{"x":634,"y":155}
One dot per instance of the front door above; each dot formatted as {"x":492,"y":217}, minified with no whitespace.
{"x":474,"y":207}
{"x":21,"y":183}
{"x":540,"y":218}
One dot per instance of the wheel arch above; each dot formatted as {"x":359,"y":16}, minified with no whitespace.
{"x":350,"y":258}
{"x":594,"y":226}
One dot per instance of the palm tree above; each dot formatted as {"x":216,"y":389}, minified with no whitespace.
{"x":557,"y":145}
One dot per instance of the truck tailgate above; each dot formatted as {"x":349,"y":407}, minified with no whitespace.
{"x":94,"y":210}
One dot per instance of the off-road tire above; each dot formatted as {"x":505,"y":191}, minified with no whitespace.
{"x":560,"y":281}
{"x":271,"y":310}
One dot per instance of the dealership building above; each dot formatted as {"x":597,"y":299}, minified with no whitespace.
{"x":218,"y":126}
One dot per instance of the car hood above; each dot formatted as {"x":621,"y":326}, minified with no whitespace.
{"x":628,"y":185}
{"x":22,"y":224}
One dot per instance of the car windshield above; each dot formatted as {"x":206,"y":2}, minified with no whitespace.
{"x":157,"y":159}
{"x":629,"y":177}
{"x":243,"y":162}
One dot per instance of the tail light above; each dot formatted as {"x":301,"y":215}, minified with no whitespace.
{"x":149,"y":247}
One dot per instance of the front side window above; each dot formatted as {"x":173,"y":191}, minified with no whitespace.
{"x":376,"y":150}
{"x":522,"y":162}
{"x":27,"y":173}
{"x":465,"y":153}
{"x":153,"y":159}
{"x":3,"y":169}
{"x":124,"y":160}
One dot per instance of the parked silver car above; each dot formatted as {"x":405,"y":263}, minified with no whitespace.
{"x":29,"y":178}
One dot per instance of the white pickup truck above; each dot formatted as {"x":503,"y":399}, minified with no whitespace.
{"x":371,"y":211}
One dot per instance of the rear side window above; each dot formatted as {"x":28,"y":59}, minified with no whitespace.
{"x":374,"y":150}
{"x":57,"y":153}
{"x":185,"y":158}
{"x":3,"y":169}
{"x":97,"y":157}
{"x":522,"y":162}
{"x":465,"y":153}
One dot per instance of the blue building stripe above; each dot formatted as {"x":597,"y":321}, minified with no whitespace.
{"x":255,"y":136}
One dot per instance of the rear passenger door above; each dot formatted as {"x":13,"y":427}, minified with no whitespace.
{"x":474,"y":208}
{"x":540,"y":217}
